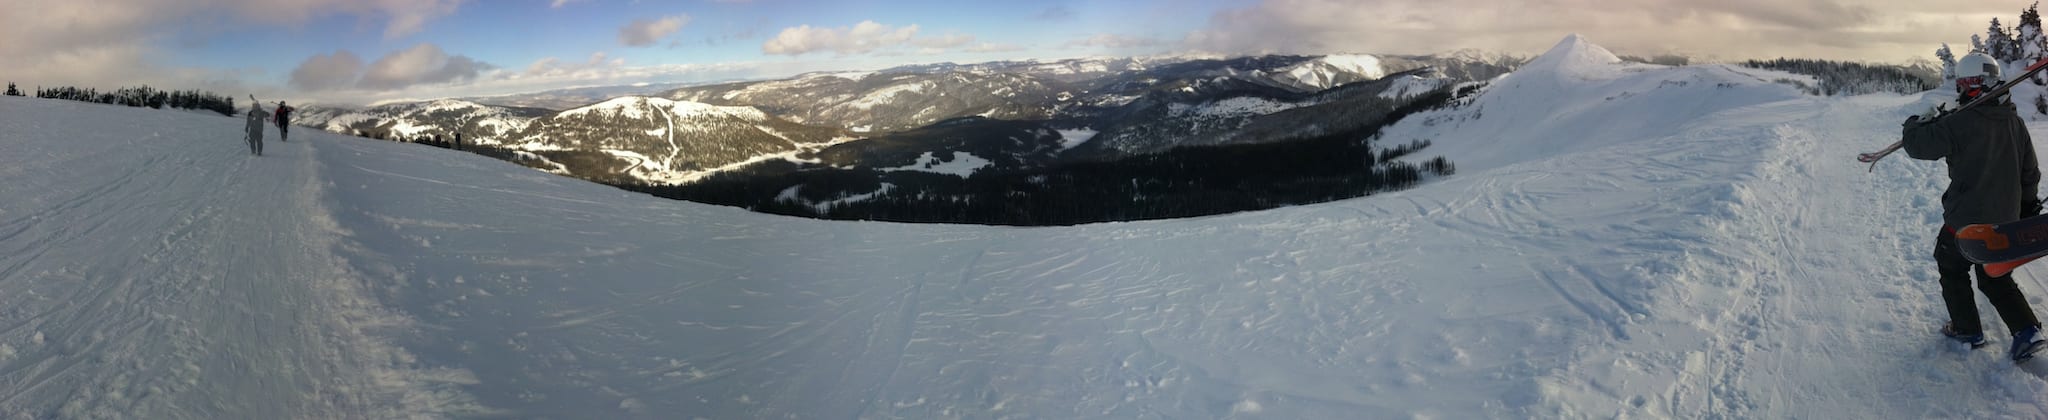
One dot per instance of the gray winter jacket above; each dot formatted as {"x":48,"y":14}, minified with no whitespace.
{"x":1993,"y":177}
{"x":256,"y":117}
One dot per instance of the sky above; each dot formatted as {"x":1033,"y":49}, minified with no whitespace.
{"x":365,"y":51}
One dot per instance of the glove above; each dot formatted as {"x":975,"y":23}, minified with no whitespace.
{"x":1936,"y":111}
{"x":2030,"y":207}
{"x":1929,"y":115}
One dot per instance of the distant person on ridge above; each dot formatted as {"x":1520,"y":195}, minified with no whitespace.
{"x":1993,"y":178}
{"x":284,"y":119}
{"x":255,"y":129}
{"x":458,"y":141}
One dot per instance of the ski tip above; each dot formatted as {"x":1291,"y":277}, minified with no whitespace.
{"x":2001,"y":269}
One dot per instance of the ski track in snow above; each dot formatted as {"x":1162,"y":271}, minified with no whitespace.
{"x":1737,"y":264}
{"x":149,"y":275}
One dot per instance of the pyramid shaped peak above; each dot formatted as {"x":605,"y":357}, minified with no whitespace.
{"x":1575,"y":51}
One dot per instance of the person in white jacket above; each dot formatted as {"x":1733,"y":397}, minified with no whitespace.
{"x":256,"y":119}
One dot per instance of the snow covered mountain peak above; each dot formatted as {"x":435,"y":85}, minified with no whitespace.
{"x":1580,"y":97}
{"x":1357,"y":63}
{"x":1331,"y":70}
{"x":1575,"y":56}
{"x":639,"y":107}
{"x":449,"y":104}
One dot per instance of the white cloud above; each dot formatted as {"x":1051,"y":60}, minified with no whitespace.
{"x":597,"y":63}
{"x":421,"y":64}
{"x":943,"y":42}
{"x":644,"y":32}
{"x":327,"y":71}
{"x":111,"y":43}
{"x":1887,"y":30}
{"x":987,"y":47}
{"x":559,"y":3}
{"x":865,"y":37}
{"x":871,"y":37}
{"x":1114,"y":41}
{"x":402,"y":17}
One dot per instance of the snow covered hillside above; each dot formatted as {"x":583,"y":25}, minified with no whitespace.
{"x":1655,"y":243}
{"x":1329,"y":71}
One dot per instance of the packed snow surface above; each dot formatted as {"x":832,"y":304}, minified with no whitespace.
{"x":1726,"y":258}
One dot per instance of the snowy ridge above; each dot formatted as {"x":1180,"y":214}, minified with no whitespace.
{"x":1411,"y":85}
{"x":637,"y":107}
{"x":1329,"y":71}
{"x":1578,"y":96}
{"x":440,"y":116}
{"x":1728,"y":259}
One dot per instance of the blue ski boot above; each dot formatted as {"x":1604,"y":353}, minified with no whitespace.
{"x":1975,"y":341}
{"x":2026,"y":343}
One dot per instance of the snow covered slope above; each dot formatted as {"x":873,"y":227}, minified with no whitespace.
{"x":1329,"y":71}
{"x":1726,"y":260}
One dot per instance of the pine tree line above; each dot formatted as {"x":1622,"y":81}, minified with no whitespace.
{"x":1842,"y":78}
{"x":143,"y":96}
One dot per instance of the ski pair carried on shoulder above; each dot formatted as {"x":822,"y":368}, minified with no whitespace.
{"x":2004,"y":247}
{"x":1988,"y":96}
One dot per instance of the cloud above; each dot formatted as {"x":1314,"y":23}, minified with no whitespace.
{"x":552,"y":66}
{"x":987,"y":47}
{"x":1852,"y":29}
{"x":862,"y":38}
{"x":1114,"y":41}
{"x":943,"y":42}
{"x":327,"y":71}
{"x":111,"y":43}
{"x":402,"y":17}
{"x":559,"y":3}
{"x":644,"y":32}
{"x":421,"y":64}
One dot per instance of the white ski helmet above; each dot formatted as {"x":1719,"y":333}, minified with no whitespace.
{"x":1978,"y":65}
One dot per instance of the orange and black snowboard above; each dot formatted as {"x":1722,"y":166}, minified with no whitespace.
{"x":2002,"y":248}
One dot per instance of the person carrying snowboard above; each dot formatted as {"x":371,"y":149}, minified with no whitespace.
{"x":284,"y":119}
{"x":255,"y":129}
{"x":1993,"y":178}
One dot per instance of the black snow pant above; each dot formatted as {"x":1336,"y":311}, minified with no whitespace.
{"x":281,"y":133}
{"x":2004,"y":294}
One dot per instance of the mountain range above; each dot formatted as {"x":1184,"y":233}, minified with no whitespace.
{"x":1625,"y":241}
{"x":1139,"y":105}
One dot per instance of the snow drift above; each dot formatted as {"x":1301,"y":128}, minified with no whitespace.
{"x":1645,"y":243}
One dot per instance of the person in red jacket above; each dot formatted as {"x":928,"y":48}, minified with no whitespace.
{"x":283,"y":116}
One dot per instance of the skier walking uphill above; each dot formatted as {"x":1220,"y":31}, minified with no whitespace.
{"x":284,"y":120}
{"x":255,"y":130}
{"x":1993,"y":178}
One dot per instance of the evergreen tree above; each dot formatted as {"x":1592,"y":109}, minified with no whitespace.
{"x":1948,"y":63}
{"x":12,"y":91}
{"x":2033,"y":45}
{"x":2000,"y":43}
